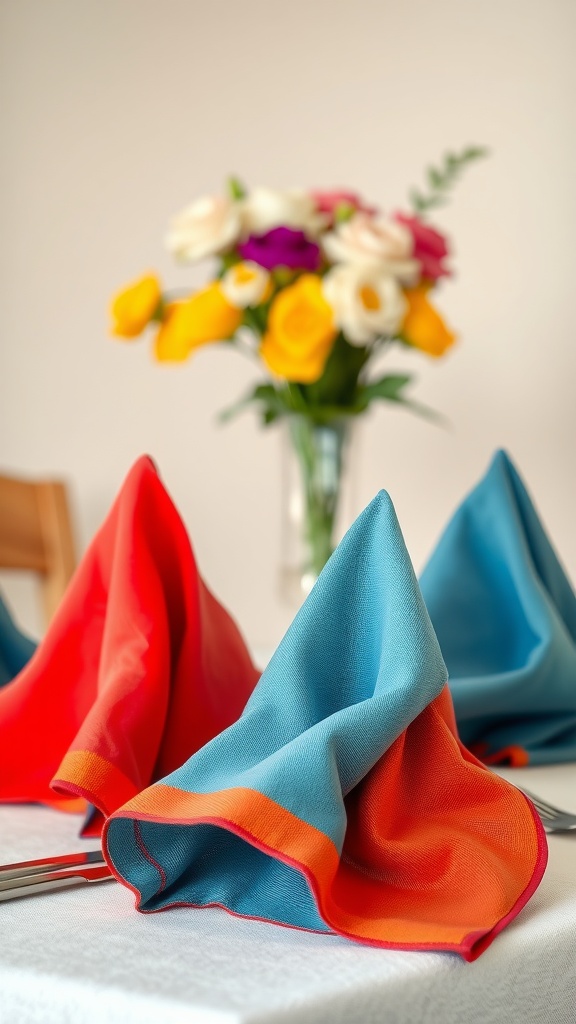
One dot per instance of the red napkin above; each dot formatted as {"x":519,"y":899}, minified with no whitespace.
{"x":139,"y":669}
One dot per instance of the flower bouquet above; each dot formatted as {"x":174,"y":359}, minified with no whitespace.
{"x":313,"y":286}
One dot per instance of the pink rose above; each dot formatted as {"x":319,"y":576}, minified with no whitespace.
{"x":328,"y":202}
{"x":430,"y":247}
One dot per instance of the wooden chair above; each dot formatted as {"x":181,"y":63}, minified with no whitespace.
{"x":36,"y":535}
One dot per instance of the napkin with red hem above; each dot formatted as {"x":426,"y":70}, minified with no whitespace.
{"x":342,"y":800}
{"x":140,"y":667}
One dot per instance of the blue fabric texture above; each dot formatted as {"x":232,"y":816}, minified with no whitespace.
{"x":358,"y":664}
{"x":505,"y":615}
{"x":16,"y":649}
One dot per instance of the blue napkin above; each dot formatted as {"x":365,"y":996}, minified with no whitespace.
{"x":505,"y":615}
{"x":341,"y":800}
{"x":15,"y":648}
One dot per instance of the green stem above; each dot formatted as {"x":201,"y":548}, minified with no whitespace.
{"x":319,"y":453}
{"x":241,"y":346}
{"x":296,"y":397}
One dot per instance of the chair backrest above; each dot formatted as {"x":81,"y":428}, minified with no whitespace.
{"x":36,"y":534}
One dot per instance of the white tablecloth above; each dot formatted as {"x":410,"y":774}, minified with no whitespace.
{"x":87,"y":956}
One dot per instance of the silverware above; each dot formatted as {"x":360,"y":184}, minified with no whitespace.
{"x":31,"y":877}
{"x":32,"y":867}
{"x":553,"y":818}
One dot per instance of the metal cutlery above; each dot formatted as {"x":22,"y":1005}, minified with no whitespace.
{"x":553,"y":818}
{"x":32,"y":877}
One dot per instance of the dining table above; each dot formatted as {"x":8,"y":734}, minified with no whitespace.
{"x":85,"y":955}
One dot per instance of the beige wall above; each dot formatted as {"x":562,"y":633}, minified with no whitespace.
{"x":115,"y":113}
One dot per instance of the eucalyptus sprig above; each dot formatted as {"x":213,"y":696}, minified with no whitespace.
{"x":440,"y":180}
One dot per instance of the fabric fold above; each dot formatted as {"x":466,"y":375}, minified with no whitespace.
{"x":505,"y":616}
{"x":140,"y":667}
{"x":342,"y":800}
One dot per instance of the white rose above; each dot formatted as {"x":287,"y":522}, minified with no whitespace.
{"x":245,"y":284}
{"x":207,"y":227}
{"x":267,"y":208}
{"x":366,"y":300}
{"x":364,"y":239}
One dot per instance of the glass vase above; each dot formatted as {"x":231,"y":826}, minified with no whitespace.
{"x":318,"y":497}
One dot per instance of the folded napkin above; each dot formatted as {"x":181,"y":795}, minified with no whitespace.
{"x":341,"y":800}
{"x":505,"y":615}
{"x":140,"y":667}
{"x":15,"y":648}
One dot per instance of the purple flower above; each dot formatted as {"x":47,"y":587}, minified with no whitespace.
{"x":282,"y":247}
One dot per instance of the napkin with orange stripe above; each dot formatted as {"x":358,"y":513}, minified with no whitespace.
{"x":342,"y":800}
{"x":140,"y":667}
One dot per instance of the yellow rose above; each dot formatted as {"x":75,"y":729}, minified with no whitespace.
{"x":171,"y":342}
{"x":133,"y":308}
{"x":423,"y":327}
{"x":204,"y":318}
{"x":300,"y":333}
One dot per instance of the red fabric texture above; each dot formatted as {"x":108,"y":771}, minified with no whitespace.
{"x":140,"y":667}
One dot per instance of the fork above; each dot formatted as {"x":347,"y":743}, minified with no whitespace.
{"x":553,"y":818}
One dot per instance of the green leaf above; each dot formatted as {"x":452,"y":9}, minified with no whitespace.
{"x":225,"y":415}
{"x":417,"y":200}
{"x":391,"y":389}
{"x":475,"y":153}
{"x":435,"y":178}
{"x":236,"y":189}
{"x":227,"y":260}
{"x":254,"y":317}
{"x":424,"y":410}
{"x":388,"y":387}
{"x":344,"y":211}
{"x":272,"y":402}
